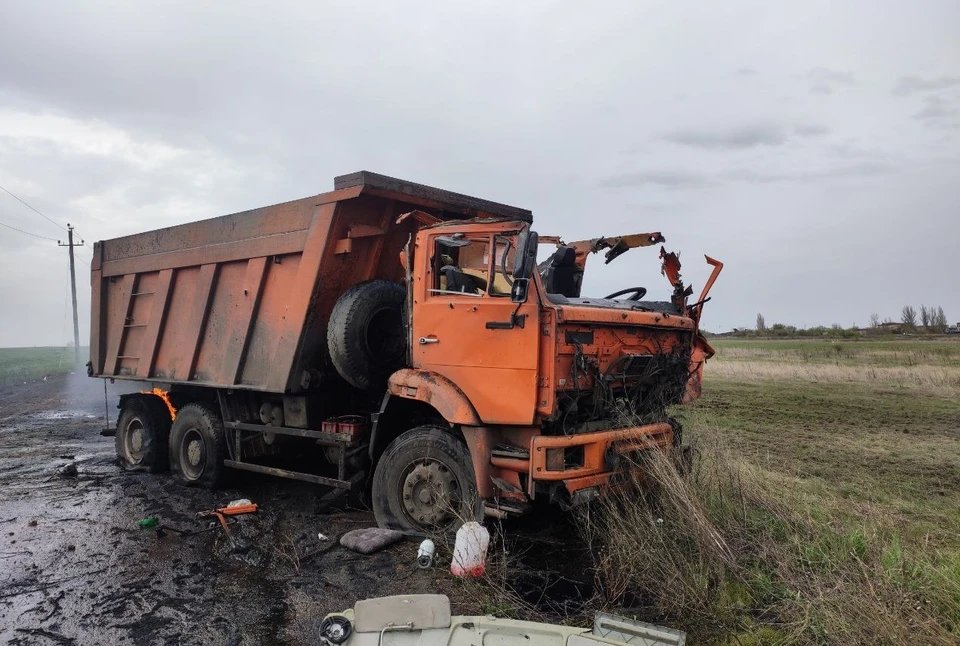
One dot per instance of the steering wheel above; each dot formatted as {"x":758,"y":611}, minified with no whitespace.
{"x":636,"y":293}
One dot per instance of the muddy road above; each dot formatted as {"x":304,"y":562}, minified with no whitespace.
{"x":76,"y":569}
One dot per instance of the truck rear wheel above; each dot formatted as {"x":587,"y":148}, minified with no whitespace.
{"x":366,"y":335}
{"x":143,"y":431}
{"x":424,"y":482}
{"x":197,"y":446}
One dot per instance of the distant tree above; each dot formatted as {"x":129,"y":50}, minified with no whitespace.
{"x":909,"y":316}
{"x":939,"y":320}
{"x":874,"y":320}
{"x":926,"y":316}
{"x":761,"y":324}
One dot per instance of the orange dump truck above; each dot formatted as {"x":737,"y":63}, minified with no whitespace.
{"x":393,"y":336}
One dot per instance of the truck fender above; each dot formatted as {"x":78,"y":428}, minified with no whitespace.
{"x":427,"y":391}
{"x":437,"y":391}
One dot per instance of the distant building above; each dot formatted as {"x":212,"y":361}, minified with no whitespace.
{"x":892,"y":328}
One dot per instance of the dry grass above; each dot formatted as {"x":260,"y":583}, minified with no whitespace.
{"x":726,"y":556}
{"x":919,"y":377}
{"x":824,"y":506}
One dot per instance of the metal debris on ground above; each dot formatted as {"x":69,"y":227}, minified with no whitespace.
{"x":244,"y":507}
{"x":376,"y":621}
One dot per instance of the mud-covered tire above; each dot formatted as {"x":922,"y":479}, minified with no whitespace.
{"x":143,"y":431}
{"x":366,"y":335}
{"x":424,"y":483}
{"x":198,"y":447}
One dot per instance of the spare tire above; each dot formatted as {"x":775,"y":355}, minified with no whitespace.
{"x":366,"y":333}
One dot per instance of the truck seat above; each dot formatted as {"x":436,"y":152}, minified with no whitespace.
{"x":561,"y":275}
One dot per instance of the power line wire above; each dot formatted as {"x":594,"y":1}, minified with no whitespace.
{"x":32,"y":208}
{"x":27,"y":232}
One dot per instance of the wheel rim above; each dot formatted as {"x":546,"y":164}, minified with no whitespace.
{"x":431,"y":493}
{"x":133,"y":441}
{"x":193,"y":454}
{"x":385,"y":337}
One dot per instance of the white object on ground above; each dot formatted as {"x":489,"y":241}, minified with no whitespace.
{"x":239,"y":503}
{"x":425,"y":554}
{"x":470,"y":550}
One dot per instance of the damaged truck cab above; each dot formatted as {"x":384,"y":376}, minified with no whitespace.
{"x":546,"y":387}
{"x":464,"y":380}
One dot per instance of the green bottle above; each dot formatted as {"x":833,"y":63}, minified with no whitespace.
{"x":149,"y":521}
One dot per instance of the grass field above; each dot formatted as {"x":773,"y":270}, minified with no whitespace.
{"x":18,"y":365}
{"x":831,"y":471}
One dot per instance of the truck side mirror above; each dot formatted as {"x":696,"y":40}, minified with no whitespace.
{"x":527,"y":244}
{"x":519,"y":290}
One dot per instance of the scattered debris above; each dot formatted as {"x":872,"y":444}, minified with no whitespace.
{"x":322,"y":537}
{"x":244,"y":507}
{"x":149,"y":521}
{"x":428,"y":616}
{"x":32,"y":523}
{"x":368,"y":540}
{"x":425,"y":554}
{"x":69,"y":471}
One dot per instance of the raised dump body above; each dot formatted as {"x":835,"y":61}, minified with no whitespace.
{"x":241,"y":301}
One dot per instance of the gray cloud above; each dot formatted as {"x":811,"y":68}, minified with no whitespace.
{"x":748,"y":136}
{"x":830,"y":76}
{"x":935,"y":109}
{"x":124,"y":118}
{"x":663,"y":178}
{"x":911,"y":84}
{"x":811,"y":129}
{"x":857,"y":170}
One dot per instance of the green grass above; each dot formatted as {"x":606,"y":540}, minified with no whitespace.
{"x":850,"y":456}
{"x":18,"y":365}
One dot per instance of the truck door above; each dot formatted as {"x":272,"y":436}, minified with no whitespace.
{"x":463,"y":323}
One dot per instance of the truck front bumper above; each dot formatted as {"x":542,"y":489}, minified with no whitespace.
{"x":582,"y":461}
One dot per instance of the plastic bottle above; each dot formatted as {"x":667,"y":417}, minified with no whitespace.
{"x":470,"y":550}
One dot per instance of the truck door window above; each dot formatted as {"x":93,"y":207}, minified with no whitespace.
{"x":505,"y":251}
{"x":461,"y":265}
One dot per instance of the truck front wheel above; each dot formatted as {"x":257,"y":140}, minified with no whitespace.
{"x":197,"y":447}
{"x":142,"y":433}
{"x":424,"y":483}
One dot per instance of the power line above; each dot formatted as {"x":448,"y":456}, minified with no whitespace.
{"x":32,"y":209}
{"x":27,"y":232}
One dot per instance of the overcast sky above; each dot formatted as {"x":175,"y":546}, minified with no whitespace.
{"x":813,"y":147}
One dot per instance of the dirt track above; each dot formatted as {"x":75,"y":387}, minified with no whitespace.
{"x":76,"y":569}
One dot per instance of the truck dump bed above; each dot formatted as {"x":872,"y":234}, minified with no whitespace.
{"x":242,"y":300}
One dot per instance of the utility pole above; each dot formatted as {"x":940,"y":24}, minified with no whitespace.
{"x":73,"y":287}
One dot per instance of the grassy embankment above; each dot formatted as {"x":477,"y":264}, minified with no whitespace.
{"x":18,"y":365}
{"x":824,"y":507}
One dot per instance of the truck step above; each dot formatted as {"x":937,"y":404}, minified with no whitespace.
{"x":283,"y":473}
{"x":507,"y":451}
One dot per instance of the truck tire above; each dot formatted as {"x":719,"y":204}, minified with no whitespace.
{"x":198,"y":447}
{"x":143,"y":431}
{"x":424,"y":483}
{"x":366,"y":335}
